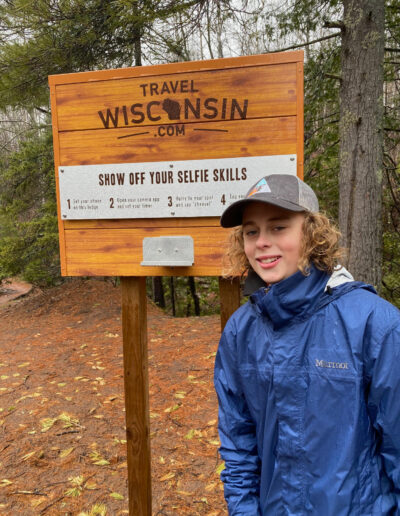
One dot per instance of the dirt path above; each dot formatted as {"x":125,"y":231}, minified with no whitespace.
{"x":62,"y":448}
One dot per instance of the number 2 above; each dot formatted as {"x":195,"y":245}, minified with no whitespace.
{"x":111,"y":202}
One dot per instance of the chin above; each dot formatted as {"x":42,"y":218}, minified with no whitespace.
{"x":271,"y":278}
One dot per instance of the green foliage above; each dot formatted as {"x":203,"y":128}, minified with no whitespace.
{"x":29,"y":235}
{"x":321,"y":125}
{"x":305,"y":16}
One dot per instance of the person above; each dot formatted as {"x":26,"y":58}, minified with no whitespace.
{"x":307,"y":370}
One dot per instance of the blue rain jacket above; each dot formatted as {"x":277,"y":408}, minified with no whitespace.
{"x":308,"y":382}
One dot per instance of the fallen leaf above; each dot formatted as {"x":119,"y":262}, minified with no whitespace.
{"x":220,"y":468}
{"x":172,"y":409}
{"x":168,"y":476}
{"x":190,"y":434}
{"x":117,"y":496}
{"x":66,"y":452}
{"x":47,"y":423}
{"x":27,"y":456}
{"x":98,"y":460}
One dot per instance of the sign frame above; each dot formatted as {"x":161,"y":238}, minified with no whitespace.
{"x":113,"y":247}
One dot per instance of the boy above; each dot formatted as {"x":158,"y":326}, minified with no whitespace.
{"x":307,"y":371}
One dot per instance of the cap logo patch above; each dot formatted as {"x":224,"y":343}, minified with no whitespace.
{"x":261,"y":186}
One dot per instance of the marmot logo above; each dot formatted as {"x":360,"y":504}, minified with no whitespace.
{"x":331,"y":365}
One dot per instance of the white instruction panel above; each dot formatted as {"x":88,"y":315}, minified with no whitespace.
{"x":195,"y":188}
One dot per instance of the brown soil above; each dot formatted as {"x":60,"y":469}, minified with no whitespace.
{"x":63,"y":449}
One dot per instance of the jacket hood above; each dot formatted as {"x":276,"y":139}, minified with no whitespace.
{"x":339,"y":276}
{"x":299,"y":296}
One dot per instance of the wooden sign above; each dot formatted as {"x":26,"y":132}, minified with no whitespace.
{"x":161,"y":150}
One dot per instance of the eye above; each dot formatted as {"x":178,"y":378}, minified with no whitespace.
{"x":250,"y":232}
{"x":279,"y":228}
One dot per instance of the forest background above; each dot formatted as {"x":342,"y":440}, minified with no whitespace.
{"x":352,"y":113}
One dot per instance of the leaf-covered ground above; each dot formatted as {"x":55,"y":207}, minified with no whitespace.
{"x":62,"y":447}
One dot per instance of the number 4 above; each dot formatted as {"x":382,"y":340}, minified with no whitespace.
{"x":223,"y":201}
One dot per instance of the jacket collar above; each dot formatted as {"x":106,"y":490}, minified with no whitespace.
{"x":299,"y":296}
{"x":292,"y":297}
{"x":253,"y":281}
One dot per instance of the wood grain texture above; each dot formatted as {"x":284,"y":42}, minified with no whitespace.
{"x":134,"y":328}
{"x":300,"y":120}
{"x":229,"y":295}
{"x":271,"y":91}
{"x":261,"y":137}
{"x":184,"y":67}
{"x":143,"y":223}
{"x":113,"y":252}
{"x":56,"y":150}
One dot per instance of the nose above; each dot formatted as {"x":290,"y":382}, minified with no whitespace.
{"x":263,"y":240}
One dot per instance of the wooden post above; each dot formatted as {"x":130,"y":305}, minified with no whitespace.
{"x":229,"y":295}
{"x":134,"y":329}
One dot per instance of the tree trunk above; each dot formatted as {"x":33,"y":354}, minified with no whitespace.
{"x":195,"y":297}
{"x":158,"y":291}
{"x":172,"y":293}
{"x":137,"y":34}
{"x":361,"y":119}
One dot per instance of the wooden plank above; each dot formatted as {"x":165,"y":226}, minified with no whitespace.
{"x":229,"y":295}
{"x":138,"y":102}
{"x":300,"y":120}
{"x":134,"y":329}
{"x":260,"y":137}
{"x":143,"y":223}
{"x":56,"y":150}
{"x":118,"y":252}
{"x":184,"y":67}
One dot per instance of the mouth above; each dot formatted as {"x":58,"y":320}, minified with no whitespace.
{"x":268,"y":261}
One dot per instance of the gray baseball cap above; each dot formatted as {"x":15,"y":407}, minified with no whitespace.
{"x":284,"y":190}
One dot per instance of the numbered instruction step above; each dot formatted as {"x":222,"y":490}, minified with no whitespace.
{"x":143,"y":203}
{"x":202,"y":188}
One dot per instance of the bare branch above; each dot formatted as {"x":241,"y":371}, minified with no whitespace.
{"x":333,"y":76}
{"x":308,"y":42}
{"x":334,"y":24}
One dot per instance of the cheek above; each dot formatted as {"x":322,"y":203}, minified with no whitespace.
{"x":248,"y":249}
{"x":291,"y":244}
{"x":294,"y":249}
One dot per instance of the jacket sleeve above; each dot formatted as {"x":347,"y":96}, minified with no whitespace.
{"x":384,"y":404}
{"x":241,"y":475}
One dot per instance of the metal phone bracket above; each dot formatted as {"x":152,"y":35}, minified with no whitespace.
{"x":168,"y":251}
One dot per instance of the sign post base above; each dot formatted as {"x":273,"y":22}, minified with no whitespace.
{"x":229,"y":295}
{"x":134,"y":330}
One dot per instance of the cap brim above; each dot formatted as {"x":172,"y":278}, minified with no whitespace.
{"x":233,"y":215}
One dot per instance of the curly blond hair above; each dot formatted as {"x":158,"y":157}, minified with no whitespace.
{"x":320,"y":246}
